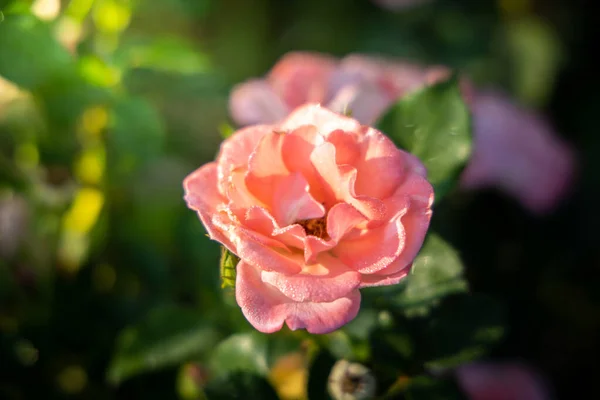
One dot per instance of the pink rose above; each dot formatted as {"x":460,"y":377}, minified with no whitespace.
{"x":482,"y":381}
{"x":514,"y":149}
{"x":316,"y":207}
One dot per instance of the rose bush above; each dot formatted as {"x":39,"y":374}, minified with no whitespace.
{"x":515,"y":150}
{"x":316,"y":207}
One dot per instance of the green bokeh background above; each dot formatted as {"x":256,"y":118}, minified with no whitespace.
{"x":109,"y":288}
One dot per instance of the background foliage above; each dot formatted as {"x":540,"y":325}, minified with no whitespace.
{"x":108,"y":286}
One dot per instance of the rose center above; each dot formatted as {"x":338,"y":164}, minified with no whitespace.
{"x":315,"y":227}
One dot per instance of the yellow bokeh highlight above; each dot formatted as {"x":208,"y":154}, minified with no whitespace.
{"x":89,"y":168}
{"x":289,"y":376}
{"x":112,"y":16}
{"x":72,"y":250}
{"x":72,"y":379}
{"x":84,"y":211}
{"x":79,"y":9}
{"x":97,"y":72}
{"x":93,"y":121}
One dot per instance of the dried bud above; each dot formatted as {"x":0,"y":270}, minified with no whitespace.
{"x":351,"y":381}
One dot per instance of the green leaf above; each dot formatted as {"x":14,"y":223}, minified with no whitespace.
{"x":240,"y":386}
{"x":167,"y":336}
{"x":29,"y":54}
{"x":246,"y":352}
{"x":434,"y":125}
{"x":227,"y":267}
{"x":437,"y":272}
{"x":252,"y":352}
{"x":167,"y":54}
{"x":464,"y":328}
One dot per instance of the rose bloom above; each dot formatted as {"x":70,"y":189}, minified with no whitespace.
{"x":316,"y":207}
{"x":515,"y":150}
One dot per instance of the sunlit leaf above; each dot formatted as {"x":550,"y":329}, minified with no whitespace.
{"x":246,"y":352}
{"x":167,"y":336}
{"x":167,"y":54}
{"x":434,"y":125}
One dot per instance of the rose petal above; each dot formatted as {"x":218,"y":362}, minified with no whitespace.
{"x":255,"y":102}
{"x":266,"y":167}
{"x":347,"y":149}
{"x":373,"y":280}
{"x":365,"y":102}
{"x":260,"y":220}
{"x":339,"y":183}
{"x":264,"y":252}
{"x":238,"y":194}
{"x":235,"y":152}
{"x":375,"y":249}
{"x":325,"y":120}
{"x":324,"y":281}
{"x":380,"y":167}
{"x":292,"y":201}
{"x":201,"y":194}
{"x":266,"y":308}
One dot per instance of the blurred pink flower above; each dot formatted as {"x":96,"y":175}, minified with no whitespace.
{"x":482,"y":381}
{"x":316,"y":207}
{"x":519,"y":152}
{"x":514,"y":149}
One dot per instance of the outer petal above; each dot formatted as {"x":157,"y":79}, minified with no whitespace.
{"x":201,"y":194}
{"x":325,"y":120}
{"x":266,"y":308}
{"x":381,"y":166}
{"x":264,"y":252}
{"x":518,"y":152}
{"x":385,"y":280}
{"x":236,"y":150}
{"x":325,"y":281}
{"x":375,"y":249}
{"x":255,"y":102}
